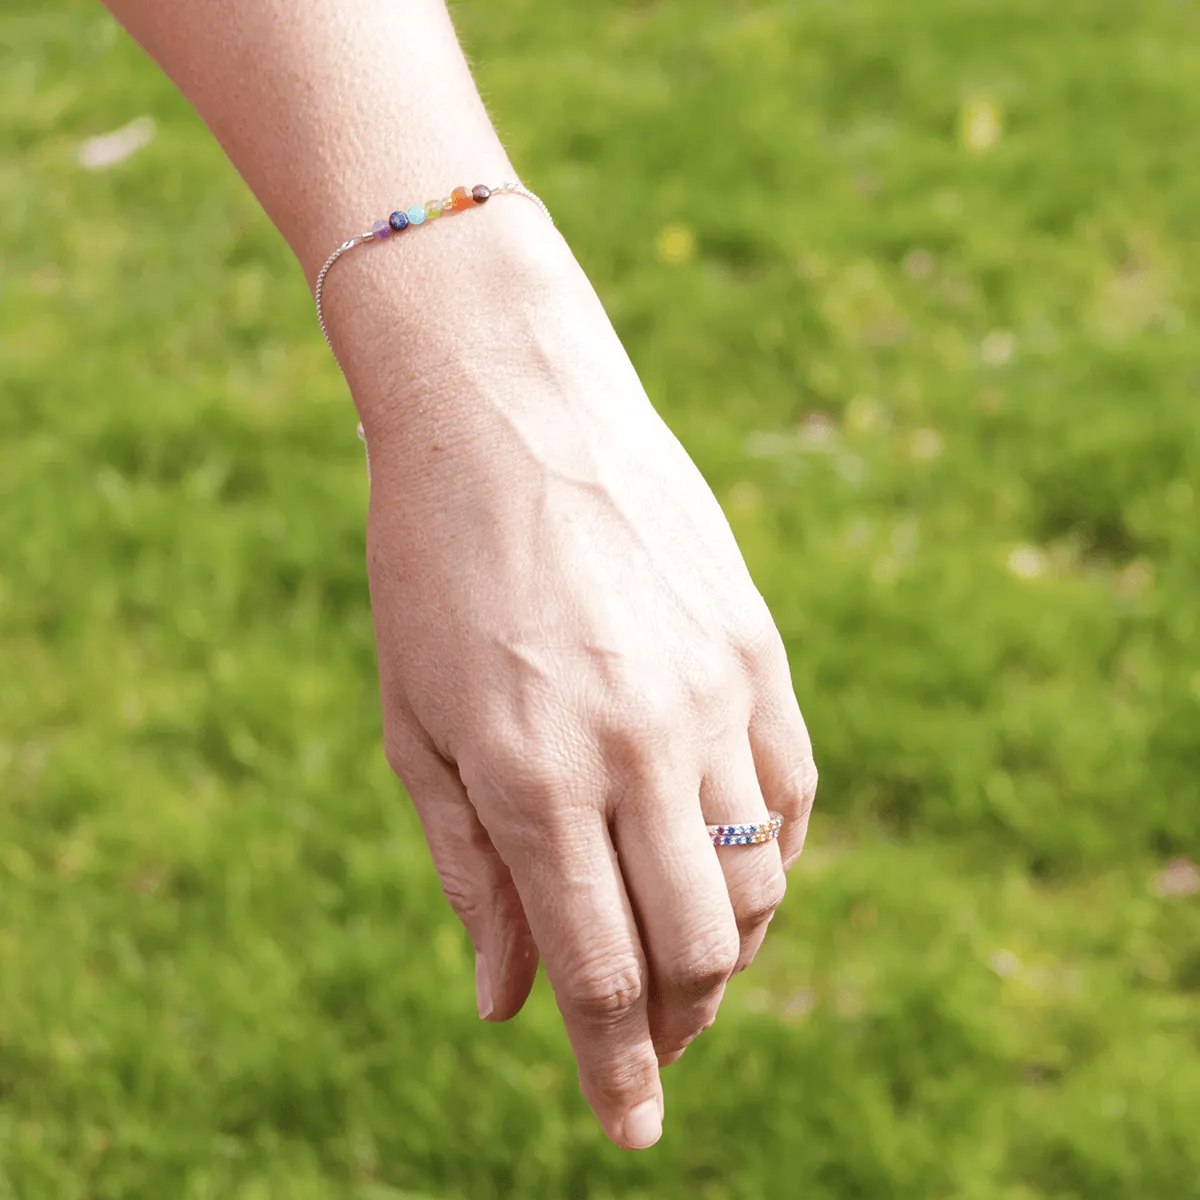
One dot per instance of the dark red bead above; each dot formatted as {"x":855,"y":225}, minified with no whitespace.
{"x":480,"y":192}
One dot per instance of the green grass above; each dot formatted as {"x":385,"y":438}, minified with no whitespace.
{"x":917,"y":286}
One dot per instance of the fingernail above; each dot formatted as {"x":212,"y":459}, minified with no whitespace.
{"x":483,"y":987}
{"x":643,"y":1125}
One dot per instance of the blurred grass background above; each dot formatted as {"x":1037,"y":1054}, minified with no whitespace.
{"x":917,"y":286}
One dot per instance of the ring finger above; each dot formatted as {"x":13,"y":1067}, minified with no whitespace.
{"x":754,"y":875}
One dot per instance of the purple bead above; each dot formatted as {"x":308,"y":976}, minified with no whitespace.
{"x":398,"y":221}
{"x":480,"y":192}
{"x":381,"y":229}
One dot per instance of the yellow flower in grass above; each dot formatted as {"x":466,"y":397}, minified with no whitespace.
{"x":676,"y":244}
{"x":980,"y":124}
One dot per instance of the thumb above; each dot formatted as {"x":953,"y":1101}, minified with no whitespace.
{"x":473,"y":876}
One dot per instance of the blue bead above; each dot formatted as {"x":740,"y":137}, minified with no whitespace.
{"x":416,"y":214}
{"x":398,"y":221}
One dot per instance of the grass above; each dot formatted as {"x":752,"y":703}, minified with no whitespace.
{"x":917,"y":286}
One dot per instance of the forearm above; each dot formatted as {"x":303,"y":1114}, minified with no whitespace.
{"x":332,"y":110}
{"x":336,"y":112}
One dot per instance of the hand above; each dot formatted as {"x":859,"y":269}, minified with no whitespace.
{"x":577,"y":675}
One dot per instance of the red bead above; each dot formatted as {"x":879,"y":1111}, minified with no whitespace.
{"x":480,"y":192}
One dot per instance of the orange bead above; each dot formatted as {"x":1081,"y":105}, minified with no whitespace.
{"x":460,"y":198}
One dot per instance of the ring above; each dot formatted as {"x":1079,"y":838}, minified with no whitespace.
{"x":747,"y":835}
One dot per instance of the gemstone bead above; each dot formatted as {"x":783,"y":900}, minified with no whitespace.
{"x":416,"y":214}
{"x":381,"y":229}
{"x":460,"y":198}
{"x":480,"y":192}
{"x":434,"y":209}
{"x":398,"y":221}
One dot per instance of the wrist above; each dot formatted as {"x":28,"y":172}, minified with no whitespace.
{"x":436,"y":313}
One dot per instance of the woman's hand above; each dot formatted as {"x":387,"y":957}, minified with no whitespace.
{"x":577,"y":671}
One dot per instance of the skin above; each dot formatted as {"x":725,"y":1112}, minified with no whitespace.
{"x":577,"y":672}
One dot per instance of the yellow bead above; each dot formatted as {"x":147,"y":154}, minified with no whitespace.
{"x":434,"y":208}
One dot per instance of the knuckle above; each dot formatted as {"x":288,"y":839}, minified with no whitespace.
{"x":702,"y":1025}
{"x":714,"y":678}
{"x":762,"y":644}
{"x":526,"y":776}
{"x":462,"y":893}
{"x":395,"y":757}
{"x":798,"y":791}
{"x":609,"y":1085}
{"x":640,"y":733}
{"x":804,"y":782}
{"x":761,"y":902}
{"x":644,"y":704}
{"x":678,"y":1031}
{"x":603,"y":992}
{"x":707,"y":963}
{"x":535,"y":785}
{"x":397,"y":751}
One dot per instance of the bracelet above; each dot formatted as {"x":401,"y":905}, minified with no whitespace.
{"x":458,"y":200}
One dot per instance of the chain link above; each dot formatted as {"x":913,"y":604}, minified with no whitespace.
{"x":319,"y":287}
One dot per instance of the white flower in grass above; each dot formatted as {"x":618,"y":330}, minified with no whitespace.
{"x":997,"y":348}
{"x":108,"y":149}
{"x":1027,"y":562}
{"x":1005,"y":964}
